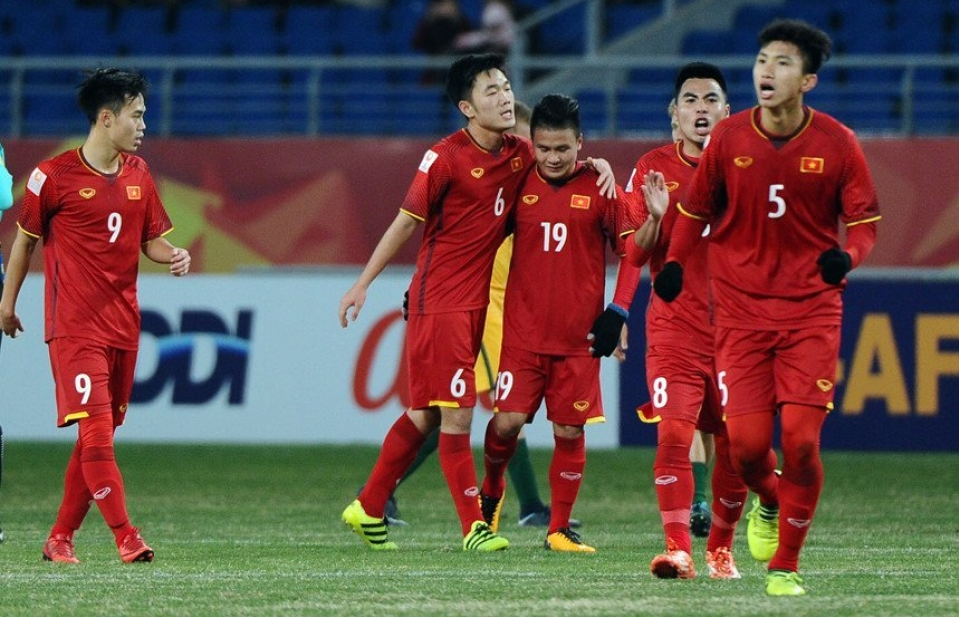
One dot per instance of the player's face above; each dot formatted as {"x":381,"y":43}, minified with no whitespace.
{"x":778,"y":76}
{"x":700,"y":106}
{"x":491,"y":101}
{"x":556,"y":151}
{"x":126,"y":128}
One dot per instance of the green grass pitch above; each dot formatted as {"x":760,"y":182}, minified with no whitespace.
{"x":251,"y":530}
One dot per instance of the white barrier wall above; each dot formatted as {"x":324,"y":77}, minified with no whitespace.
{"x":251,"y":358}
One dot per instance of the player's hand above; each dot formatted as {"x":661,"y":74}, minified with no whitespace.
{"x":834,"y":265}
{"x":620,"y":353}
{"x":406,"y":305}
{"x":669,"y":283}
{"x":10,"y":322}
{"x":353,"y":299}
{"x":655,"y":194}
{"x":180,"y":263}
{"x":606,"y":329}
{"x":606,"y":181}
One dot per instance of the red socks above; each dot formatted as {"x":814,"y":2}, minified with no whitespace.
{"x":456,"y":460}
{"x":729,"y":497}
{"x":400,"y":448}
{"x":673,"y":480}
{"x":497,"y":453}
{"x":76,"y":497}
{"x":566,"y":475}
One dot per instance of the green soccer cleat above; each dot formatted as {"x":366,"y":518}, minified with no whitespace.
{"x":784,"y":583}
{"x":482,"y":539}
{"x":700,"y":516}
{"x":763,"y":535}
{"x":490,"y":507}
{"x":372,"y":530}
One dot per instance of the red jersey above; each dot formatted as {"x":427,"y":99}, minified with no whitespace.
{"x":465,"y":195}
{"x":685,"y":322}
{"x":558,"y":269}
{"x":774,"y":205}
{"x":93,"y":226}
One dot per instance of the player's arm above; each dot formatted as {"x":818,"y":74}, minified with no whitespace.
{"x":392,"y":241}
{"x":160,"y":250}
{"x":656,"y":200}
{"x":836,"y":263}
{"x":686,"y":234}
{"x":20,"y":255}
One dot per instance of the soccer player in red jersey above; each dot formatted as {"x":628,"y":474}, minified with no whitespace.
{"x":97,"y":209}
{"x":463,"y":192}
{"x":555,"y":327}
{"x":775,"y":183}
{"x":681,"y":375}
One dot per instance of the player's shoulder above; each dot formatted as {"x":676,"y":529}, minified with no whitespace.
{"x":666,"y":152}
{"x":825,"y":123}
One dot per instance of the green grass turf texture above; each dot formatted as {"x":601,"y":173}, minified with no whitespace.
{"x":255,"y":530}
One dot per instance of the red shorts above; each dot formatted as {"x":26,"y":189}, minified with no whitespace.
{"x":441,"y":353}
{"x":763,"y":369}
{"x":570,"y":385}
{"x":682,"y":385}
{"x":91,"y":378}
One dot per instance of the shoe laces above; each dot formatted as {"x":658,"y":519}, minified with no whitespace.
{"x":570,"y":534}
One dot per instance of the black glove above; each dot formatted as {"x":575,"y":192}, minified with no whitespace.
{"x":669,"y":283}
{"x":406,"y":305}
{"x":605,"y":332}
{"x":834,"y":265}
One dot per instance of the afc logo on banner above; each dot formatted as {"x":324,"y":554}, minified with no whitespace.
{"x":199,"y":358}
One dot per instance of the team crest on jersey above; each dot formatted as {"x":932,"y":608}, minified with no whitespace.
{"x":35,"y":183}
{"x":133,"y":192}
{"x":477,"y":172}
{"x":530,"y":199}
{"x":824,"y":385}
{"x":580,"y":201}
{"x":87,"y":193}
{"x":811,"y":165}
{"x":743,"y":161}
{"x":516,"y":163}
{"x":672,"y":186}
{"x":428,"y":158}
{"x":581,"y":406}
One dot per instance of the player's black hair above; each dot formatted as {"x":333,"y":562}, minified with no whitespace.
{"x":463,"y":73}
{"x":699,"y":70}
{"x":814,"y":44}
{"x":556,"y":111}
{"x":109,"y":87}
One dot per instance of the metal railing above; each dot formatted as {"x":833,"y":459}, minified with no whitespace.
{"x":382,"y":95}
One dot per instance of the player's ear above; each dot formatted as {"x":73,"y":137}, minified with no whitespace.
{"x":809,"y":82}
{"x":466,"y":108}
{"x":106,"y":117}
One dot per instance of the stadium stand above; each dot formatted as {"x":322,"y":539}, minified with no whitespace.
{"x":280,"y":69}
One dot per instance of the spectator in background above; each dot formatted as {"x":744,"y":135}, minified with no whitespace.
{"x":498,"y":30}
{"x":437,"y":32}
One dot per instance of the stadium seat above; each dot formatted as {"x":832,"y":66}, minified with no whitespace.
{"x":623,"y":18}
{"x":563,"y":34}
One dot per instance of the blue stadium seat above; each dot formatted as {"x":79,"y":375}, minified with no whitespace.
{"x":359,"y":31}
{"x":199,"y":31}
{"x":309,"y":30}
{"x":564,"y":34}
{"x":253,"y":31}
{"x":705,"y":43}
{"x":624,"y":17}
